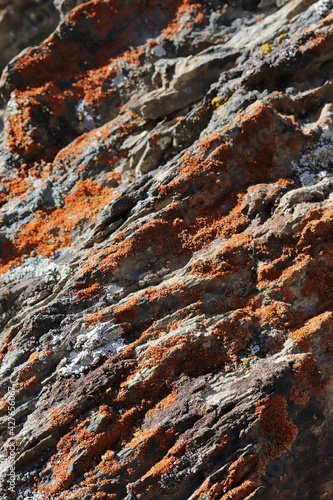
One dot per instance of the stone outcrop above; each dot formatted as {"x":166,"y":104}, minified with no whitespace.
{"x":166,"y":254}
{"x":23,"y":23}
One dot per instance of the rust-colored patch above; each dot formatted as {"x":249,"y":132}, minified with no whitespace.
{"x":276,"y":430}
{"x":86,"y":290}
{"x":310,"y":378}
{"x":6,"y":343}
{"x":50,"y":230}
{"x":184,"y":7}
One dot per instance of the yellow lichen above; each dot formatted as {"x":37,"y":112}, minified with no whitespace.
{"x":265,"y":48}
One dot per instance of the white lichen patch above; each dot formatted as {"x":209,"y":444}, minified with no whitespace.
{"x":120,"y":80}
{"x":32,"y":496}
{"x":254,"y":349}
{"x":309,"y":179}
{"x":34,"y":267}
{"x":90,"y":345}
{"x":316,"y":165}
{"x":158,"y":51}
{"x":86,"y":120}
{"x":12,"y":107}
{"x":318,"y":10}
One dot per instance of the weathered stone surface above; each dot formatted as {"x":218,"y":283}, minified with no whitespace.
{"x":65,"y":6}
{"x":166,"y":254}
{"x":23,"y":23}
{"x":192,"y":77}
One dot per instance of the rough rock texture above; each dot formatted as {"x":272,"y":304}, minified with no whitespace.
{"x":23,"y":23}
{"x":166,"y":253}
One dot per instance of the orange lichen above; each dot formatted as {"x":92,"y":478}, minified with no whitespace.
{"x":239,"y":481}
{"x":173,"y":236}
{"x":245,"y":471}
{"x":310,"y":378}
{"x":142,"y":442}
{"x":29,"y":382}
{"x":155,"y":355}
{"x":94,"y":444}
{"x":159,"y":464}
{"x":127,"y":311}
{"x":277,"y":432}
{"x":321,"y":325}
{"x":25,"y":372}
{"x":60,"y":417}
{"x":185,"y":7}
{"x":276,"y":314}
{"x":152,"y":43}
{"x":63,"y":481}
{"x":267,"y":273}
{"x":113,"y":177}
{"x":208,"y":214}
{"x":6,"y":343}
{"x":26,"y":140}
{"x":94,"y":318}
{"x":154,"y":139}
{"x":316,"y":226}
{"x":306,"y":370}
{"x":4,"y":405}
{"x":234,"y":333}
{"x":299,"y":397}
{"x":14,"y":188}
{"x":32,"y":365}
{"x":164,"y":466}
{"x":59,"y":59}
{"x":326,"y":341}
{"x":159,"y":232}
{"x":228,"y":256}
{"x":179,"y":355}
{"x":75,"y":152}
{"x":86,"y":290}
{"x":50,"y":229}
{"x":249,"y":152}
{"x":132,"y":55}
{"x":319,"y":282}
{"x":166,"y":402}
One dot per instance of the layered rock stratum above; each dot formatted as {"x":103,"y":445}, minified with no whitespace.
{"x":166,"y":254}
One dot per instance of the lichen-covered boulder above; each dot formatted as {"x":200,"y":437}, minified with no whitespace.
{"x":166,"y":254}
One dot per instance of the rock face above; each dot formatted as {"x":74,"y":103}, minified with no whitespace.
{"x":23,"y":23}
{"x":166,"y":254}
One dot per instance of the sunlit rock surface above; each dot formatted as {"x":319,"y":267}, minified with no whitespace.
{"x":166,"y":253}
